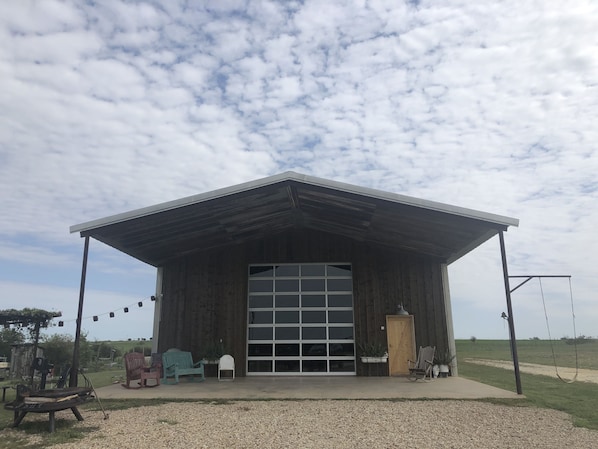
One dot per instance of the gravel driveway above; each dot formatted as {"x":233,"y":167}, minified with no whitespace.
{"x":329,"y":424}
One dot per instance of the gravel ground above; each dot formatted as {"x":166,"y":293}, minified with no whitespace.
{"x":328,"y":424}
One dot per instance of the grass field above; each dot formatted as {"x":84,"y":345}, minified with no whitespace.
{"x":532,"y":351}
{"x":578,"y":399}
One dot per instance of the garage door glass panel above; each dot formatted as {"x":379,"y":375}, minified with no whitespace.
{"x":287,"y":270}
{"x":341,"y":333}
{"x":313,"y":333}
{"x":340,"y":285}
{"x":287,"y":285}
{"x":313,"y":316}
{"x":260,"y":286}
{"x":287,"y":301}
{"x":260,"y":350}
{"x":342,"y":349}
{"x":313,"y":300}
{"x":260,"y":333}
{"x":261,"y":271}
{"x":340,"y":301}
{"x":260,"y":302}
{"x":287,"y":317}
{"x":287,"y":333}
{"x":260,"y":317}
{"x":340,"y":316}
{"x":313,"y":285}
{"x":313,"y":270}
{"x":300,"y":320}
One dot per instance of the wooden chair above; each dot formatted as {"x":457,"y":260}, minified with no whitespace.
{"x":422,"y":367}
{"x":137,"y":370}
{"x":226,"y":363}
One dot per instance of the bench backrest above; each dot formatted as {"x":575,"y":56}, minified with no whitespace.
{"x":181,"y":358}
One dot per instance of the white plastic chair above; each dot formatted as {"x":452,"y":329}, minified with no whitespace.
{"x":226,"y":363}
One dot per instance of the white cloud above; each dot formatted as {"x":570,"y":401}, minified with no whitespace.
{"x":116,"y":105}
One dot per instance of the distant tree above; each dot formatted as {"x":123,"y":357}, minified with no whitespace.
{"x":104,"y":350}
{"x":58,"y":349}
{"x":473,"y":339}
{"x":9,"y":337}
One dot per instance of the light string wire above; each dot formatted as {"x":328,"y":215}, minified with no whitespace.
{"x":91,"y":317}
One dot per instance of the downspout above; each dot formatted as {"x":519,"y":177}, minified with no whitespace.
{"x":510,"y":313}
{"x":73,"y":376}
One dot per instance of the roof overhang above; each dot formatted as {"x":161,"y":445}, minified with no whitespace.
{"x":257,"y":209}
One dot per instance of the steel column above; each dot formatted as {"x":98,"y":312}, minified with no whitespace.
{"x":505,"y":271}
{"x":73,"y":376}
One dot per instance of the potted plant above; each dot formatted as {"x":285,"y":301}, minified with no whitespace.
{"x":212,"y":352}
{"x":373,"y":352}
{"x":444,"y":360}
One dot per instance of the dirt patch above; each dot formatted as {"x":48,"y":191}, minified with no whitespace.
{"x":567,"y":374}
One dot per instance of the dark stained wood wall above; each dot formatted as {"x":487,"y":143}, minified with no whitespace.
{"x":205,"y":295}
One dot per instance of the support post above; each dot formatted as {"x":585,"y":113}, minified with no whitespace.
{"x":73,"y":376}
{"x":510,"y":313}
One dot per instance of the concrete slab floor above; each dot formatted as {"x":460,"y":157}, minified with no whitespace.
{"x":252,"y":388}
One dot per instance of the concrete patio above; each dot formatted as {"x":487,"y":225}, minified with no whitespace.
{"x":251,"y":388}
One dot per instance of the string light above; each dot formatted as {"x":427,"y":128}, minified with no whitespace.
{"x":111,"y":314}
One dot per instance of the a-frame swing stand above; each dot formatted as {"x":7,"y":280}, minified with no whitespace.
{"x":540,"y":277}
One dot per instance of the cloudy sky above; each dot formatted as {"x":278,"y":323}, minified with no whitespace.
{"x":111,"y":106}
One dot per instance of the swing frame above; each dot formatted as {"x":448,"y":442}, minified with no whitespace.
{"x":540,"y":277}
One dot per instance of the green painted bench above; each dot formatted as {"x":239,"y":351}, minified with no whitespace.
{"x":180,"y":363}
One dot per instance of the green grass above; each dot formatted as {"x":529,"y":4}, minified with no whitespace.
{"x":578,"y":399}
{"x":532,"y":351}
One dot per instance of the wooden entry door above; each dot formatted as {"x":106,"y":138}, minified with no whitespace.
{"x":400,"y":335}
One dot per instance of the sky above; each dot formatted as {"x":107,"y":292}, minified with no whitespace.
{"x":110,"y":106}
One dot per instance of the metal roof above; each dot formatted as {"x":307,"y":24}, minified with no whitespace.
{"x":256,"y":209}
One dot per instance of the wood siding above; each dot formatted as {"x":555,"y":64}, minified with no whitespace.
{"x":205,"y":295}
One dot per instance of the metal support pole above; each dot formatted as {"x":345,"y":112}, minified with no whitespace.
{"x":510,"y":312}
{"x":73,"y":376}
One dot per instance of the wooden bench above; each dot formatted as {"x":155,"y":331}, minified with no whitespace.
{"x":180,"y":363}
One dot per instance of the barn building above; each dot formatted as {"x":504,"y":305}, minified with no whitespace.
{"x":292,"y":274}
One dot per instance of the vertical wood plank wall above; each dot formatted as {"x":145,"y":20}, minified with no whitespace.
{"x":205,"y":295}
